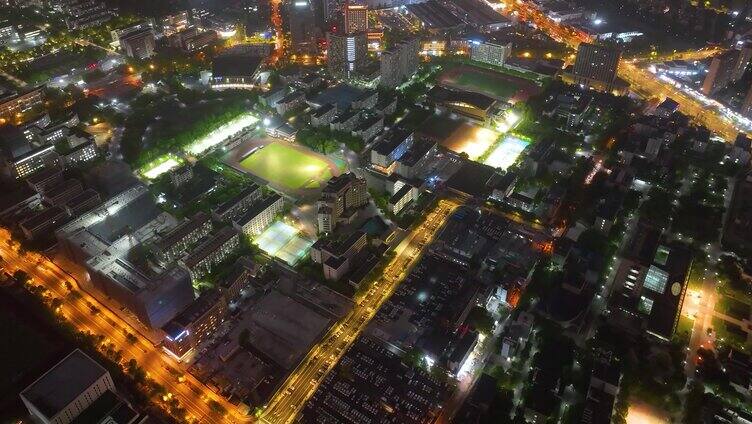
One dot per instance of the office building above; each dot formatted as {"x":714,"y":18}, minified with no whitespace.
{"x":13,"y":105}
{"x":399,"y":63}
{"x":8,"y":32}
{"x":235,"y":70}
{"x":721,"y":72}
{"x":83,"y":13}
{"x":346,"y":53}
{"x":201,"y":260}
{"x":745,"y":54}
{"x":596,"y":66}
{"x":173,"y":24}
{"x":67,"y":389}
{"x":20,"y":158}
{"x":341,"y":197}
{"x":356,"y":18}
{"x":138,"y":44}
{"x":259,"y":215}
{"x":746,"y":108}
{"x":303,"y":28}
{"x":106,"y":241}
{"x":490,"y":53}
{"x":196,"y":324}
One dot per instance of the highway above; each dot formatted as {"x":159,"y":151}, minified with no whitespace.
{"x":303,"y":382}
{"x":641,"y":81}
{"x":191,"y":393}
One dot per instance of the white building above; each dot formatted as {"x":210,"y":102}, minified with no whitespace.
{"x":493,"y":54}
{"x":65,"y":391}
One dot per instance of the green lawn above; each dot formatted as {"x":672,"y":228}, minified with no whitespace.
{"x":289,"y":166}
{"x":481,"y":82}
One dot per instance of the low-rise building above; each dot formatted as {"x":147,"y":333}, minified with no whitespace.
{"x":181,"y":175}
{"x":369,"y":128}
{"x":259,"y":215}
{"x":201,"y":260}
{"x":290,"y":102}
{"x":67,"y":389}
{"x":403,"y":197}
{"x":43,"y":222}
{"x":83,"y":202}
{"x":238,"y":204}
{"x":336,"y":256}
{"x":175,"y":243}
{"x":345,"y":121}
{"x":390,"y":149}
{"x":324,"y":115}
{"x":59,"y":194}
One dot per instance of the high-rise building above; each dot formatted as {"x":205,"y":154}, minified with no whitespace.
{"x":722,"y":71}
{"x":356,"y":18}
{"x":302,"y":27}
{"x":493,"y":54}
{"x":746,"y":108}
{"x":596,"y":65}
{"x":341,"y":197}
{"x":399,"y":63}
{"x":745,"y":54}
{"x":346,"y":53}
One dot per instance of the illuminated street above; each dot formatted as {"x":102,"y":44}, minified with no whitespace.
{"x":641,"y":81}
{"x":193,"y":395}
{"x":302,"y":383}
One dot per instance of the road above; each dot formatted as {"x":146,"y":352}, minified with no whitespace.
{"x":191,"y":393}
{"x":303,"y":382}
{"x":641,"y":81}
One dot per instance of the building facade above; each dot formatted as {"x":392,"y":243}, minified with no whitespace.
{"x":596,"y":65}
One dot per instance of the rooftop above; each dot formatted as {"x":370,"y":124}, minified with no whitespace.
{"x":59,"y":386}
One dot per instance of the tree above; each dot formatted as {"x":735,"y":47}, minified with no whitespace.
{"x":21,"y":276}
{"x":481,"y":320}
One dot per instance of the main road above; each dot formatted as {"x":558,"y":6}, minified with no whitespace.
{"x":196,"y":398}
{"x":641,"y":80}
{"x":304,"y":381}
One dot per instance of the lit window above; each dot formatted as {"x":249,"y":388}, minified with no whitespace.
{"x":645,"y":305}
{"x":656,"y":279}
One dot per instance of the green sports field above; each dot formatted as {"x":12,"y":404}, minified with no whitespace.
{"x":289,"y":166}
{"x":495,"y":84}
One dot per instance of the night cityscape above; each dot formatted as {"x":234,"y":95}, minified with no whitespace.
{"x":376,"y":211}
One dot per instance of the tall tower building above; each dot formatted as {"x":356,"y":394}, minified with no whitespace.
{"x":746,"y":109}
{"x":303,"y":28}
{"x":721,"y":72}
{"x":596,"y":65}
{"x":346,"y":53}
{"x":399,"y":63}
{"x":356,"y":18}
